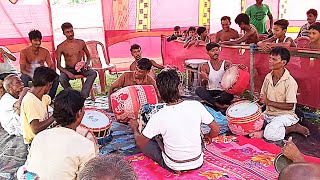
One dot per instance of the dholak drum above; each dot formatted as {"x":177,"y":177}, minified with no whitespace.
{"x":99,"y":122}
{"x":235,"y":80}
{"x":127,"y":101}
{"x":86,"y":132}
{"x":195,"y":63}
{"x":244,"y":117}
{"x":281,"y":162}
{"x":145,"y":113}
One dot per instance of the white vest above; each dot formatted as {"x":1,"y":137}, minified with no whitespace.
{"x":215,"y":77}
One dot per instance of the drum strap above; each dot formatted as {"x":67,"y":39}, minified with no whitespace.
{"x":161,"y":145}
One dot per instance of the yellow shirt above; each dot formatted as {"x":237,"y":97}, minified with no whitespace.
{"x":32,"y":108}
{"x":59,"y":153}
{"x":285,"y":91}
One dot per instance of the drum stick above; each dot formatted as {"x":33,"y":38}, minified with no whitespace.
{"x":247,"y":105}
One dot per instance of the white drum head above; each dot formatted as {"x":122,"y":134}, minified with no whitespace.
{"x":195,"y":61}
{"x":243,"y":109}
{"x":229,"y":77}
{"x":95,"y":119}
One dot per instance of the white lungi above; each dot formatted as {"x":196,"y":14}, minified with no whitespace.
{"x":276,"y":127}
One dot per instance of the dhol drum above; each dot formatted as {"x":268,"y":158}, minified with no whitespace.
{"x":127,"y":101}
{"x":235,"y":80}
{"x":244,"y":117}
{"x":193,"y":67}
{"x":99,"y":122}
{"x":145,"y":113}
{"x":281,"y":162}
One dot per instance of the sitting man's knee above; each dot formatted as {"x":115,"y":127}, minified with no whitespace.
{"x":274,"y":132}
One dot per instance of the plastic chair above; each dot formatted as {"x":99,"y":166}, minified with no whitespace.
{"x":82,"y":82}
{"x":96,"y":62}
{"x":302,"y":42}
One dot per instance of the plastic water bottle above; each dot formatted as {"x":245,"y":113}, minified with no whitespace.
{"x":96,"y":88}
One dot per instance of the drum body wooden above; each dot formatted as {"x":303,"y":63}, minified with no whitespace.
{"x":244,"y":117}
{"x":127,"y":101}
{"x":235,"y":80}
{"x":99,"y":122}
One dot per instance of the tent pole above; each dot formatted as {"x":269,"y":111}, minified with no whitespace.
{"x":51,"y":29}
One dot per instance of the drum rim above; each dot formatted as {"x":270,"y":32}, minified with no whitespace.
{"x":103,"y":112}
{"x":276,"y":160}
{"x":238,"y":102}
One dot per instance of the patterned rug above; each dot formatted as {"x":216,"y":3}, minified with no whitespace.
{"x":100,"y":102}
{"x":227,"y":157}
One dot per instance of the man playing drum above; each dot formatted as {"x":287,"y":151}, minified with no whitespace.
{"x":211,"y":75}
{"x":279,"y":94}
{"x":140,"y":76}
{"x":179,"y":124}
{"x":136,"y":52}
{"x":61,"y":152}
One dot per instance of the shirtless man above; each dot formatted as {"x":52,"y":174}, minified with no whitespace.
{"x":72,"y":49}
{"x":35,"y":56}
{"x":226,"y":33}
{"x":136,"y":53}
{"x":140,"y":76}
{"x":251,"y":33}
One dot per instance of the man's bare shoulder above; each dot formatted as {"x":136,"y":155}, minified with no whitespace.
{"x":80,"y":41}
{"x":61,"y":45}
{"x":25,"y":50}
{"x":44,"y":49}
{"x":219,"y":32}
{"x":233,"y":30}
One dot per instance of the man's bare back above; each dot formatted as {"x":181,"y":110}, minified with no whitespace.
{"x":72,"y":51}
{"x":314,"y":45}
{"x":226,"y":35}
{"x":253,"y":36}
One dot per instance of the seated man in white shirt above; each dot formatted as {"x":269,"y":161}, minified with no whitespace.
{"x":60,"y":152}
{"x":6,"y":66}
{"x":10,"y":104}
{"x":179,"y":124}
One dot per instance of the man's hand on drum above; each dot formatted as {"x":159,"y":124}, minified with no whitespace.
{"x":242,"y":66}
{"x":291,"y":151}
{"x":133,"y":124}
{"x":264,"y":99}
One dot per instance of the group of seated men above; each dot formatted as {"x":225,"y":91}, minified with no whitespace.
{"x":230,"y":36}
{"x":72,"y":155}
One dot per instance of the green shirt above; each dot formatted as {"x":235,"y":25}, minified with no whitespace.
{"x":258,"y":17}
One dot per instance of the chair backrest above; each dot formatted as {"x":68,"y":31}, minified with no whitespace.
{"x":94,"y":54}
{"x":302,"y":42}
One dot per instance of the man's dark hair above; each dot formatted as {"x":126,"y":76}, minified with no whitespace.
{"x":168,"y":85}
{"x":185,"y":31}
{"x":66,"y":25}
{"x":283,"y":52}
{"x":212,"y":45}
{"x":66,"y":106}
{"x":226,"y":18}
{"x":35,"y":34}
{"x":315,"y":26}
{"x":192,"y":28}
{"x":134,"y":46}
{"x":313,"y":12}
{"x":112,"y":166}
{"x":144,"y":64}
{"x":176,"y":28}
{"x":201,"y":29}
{"x":242,"y":18}
{"x":42,"y":76}
{"x":283,"y":23}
